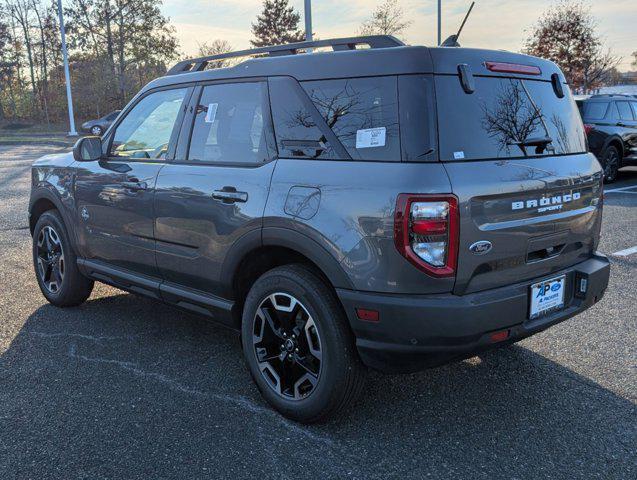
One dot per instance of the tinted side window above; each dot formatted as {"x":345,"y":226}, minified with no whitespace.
{"x":146,"y":130}
{"x":624,"y":111}
{"x":595,"y":110}
{"x":231,"y":124}
{"x":362,"y":113}
{"x":634,"y":105}
{"x":296,"y":126}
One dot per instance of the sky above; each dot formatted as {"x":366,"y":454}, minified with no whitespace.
{"x":496,"y":24}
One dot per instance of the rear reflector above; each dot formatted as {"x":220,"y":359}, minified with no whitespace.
{"x":367,"y":315}
{"x":429,"y":227}
{"x":503,"y":67}
{"x":500,"y":336}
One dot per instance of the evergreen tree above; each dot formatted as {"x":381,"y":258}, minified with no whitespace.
{"x":277,"y":24}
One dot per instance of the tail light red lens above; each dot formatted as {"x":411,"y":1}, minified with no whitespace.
{"x":588,"y":128}
{"x":503,"y":67}
{"x":426,"y":232}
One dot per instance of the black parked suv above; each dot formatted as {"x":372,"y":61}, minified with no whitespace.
{"x":392,"y":207}
{"x":610,"y":122}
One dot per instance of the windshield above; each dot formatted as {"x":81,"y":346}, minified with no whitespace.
{"x":506,"y":118}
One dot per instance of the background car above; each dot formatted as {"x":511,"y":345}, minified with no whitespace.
{"x":610,"y":122}
{"x":99,"y":126}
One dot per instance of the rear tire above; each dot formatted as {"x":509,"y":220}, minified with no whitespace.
{"x":55,"y":263}
{"x":298,"y":346}
{"x":610,"y":163}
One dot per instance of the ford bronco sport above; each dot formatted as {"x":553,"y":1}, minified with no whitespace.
{"x":394,"y":207}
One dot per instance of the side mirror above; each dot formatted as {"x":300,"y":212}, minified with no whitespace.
{"x":88,"y":149}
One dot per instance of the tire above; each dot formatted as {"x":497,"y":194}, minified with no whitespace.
{"x":56,"y":270}
{"x":323,"y":345}
{"x":610,"y":163}
{"x":96,"y":130}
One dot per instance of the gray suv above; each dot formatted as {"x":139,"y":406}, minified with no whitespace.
{"x":392,"y":207}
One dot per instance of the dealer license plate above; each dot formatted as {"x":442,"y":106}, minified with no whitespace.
{"x":547,"y":296}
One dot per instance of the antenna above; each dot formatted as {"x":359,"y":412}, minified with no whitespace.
{"x":452,"y":40}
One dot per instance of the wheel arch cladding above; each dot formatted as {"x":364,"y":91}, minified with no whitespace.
{"x":279,"y":247}
{"x":43,"y":200}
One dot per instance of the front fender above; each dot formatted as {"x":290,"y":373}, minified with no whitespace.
{"x":46,"y":193}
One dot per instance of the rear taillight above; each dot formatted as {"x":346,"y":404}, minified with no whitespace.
{"x":426,"y":232}
{"x":588,"y":128}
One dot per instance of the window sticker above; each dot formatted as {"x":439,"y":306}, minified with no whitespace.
{"x":211,"y":112}
{"x":371,"y":137}
{"x":458,"y":155}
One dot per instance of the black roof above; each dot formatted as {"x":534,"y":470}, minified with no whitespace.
{"x":389,"y":57}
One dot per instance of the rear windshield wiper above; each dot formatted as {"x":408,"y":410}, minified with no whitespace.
{"x":540,"y":144}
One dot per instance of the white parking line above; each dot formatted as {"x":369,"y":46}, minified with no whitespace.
{"x":621,"y":189}
{"x":626,"y":252}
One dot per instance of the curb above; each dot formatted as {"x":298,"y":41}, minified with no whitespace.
{"x":57,"y":143}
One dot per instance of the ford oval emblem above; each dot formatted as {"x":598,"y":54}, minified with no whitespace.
{"x":481,"y":247}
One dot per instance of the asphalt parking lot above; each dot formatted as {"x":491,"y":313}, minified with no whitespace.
{"x":123,"y":387}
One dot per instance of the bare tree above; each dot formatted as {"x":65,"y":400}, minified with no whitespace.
{"x":387,"y":19}
{"x":216,"y":47}
{"x":511,"y":119}
{"x":566,"y":34}
{"x":634,"y":64}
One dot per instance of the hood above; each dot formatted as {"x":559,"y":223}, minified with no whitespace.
{"x":63,"y":159}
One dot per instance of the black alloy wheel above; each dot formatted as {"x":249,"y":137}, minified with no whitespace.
{"x":50,"y":259}
{"x":287,"y":345}
{"x":610,"y":164}
{"x":55,"y":263}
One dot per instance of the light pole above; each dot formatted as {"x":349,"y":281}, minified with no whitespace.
{"x":439,"y":22}
{"x":67,"y":76}
{"x":308,"y":20}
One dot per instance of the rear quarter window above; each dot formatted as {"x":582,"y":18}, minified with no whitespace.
{"x":625,"y":112}
{"x":362,"y":113}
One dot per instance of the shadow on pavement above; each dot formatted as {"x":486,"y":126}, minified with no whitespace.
{"x":123,"y":387}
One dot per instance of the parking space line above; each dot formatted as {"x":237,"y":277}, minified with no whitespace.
{"x":621,"y":189}
{"x":625,"y":252}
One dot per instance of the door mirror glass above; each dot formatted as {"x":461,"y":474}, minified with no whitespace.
{"x":87,"y":149}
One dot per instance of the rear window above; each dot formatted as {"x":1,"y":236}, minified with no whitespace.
{"x":595,"y":110}
{"x":505,"y":118}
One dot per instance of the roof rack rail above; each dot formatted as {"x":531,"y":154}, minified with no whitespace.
{"x":373,"y":41}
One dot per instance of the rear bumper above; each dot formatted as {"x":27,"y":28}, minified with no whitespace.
{"x":415,"y":332}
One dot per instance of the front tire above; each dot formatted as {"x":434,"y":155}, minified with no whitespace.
{"x":298,"y":346}
{"x":610,"y":163}
{"x":55,"y":263}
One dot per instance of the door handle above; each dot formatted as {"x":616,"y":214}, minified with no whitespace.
{"x":134,"y":185}
{"x":230,"y":195}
